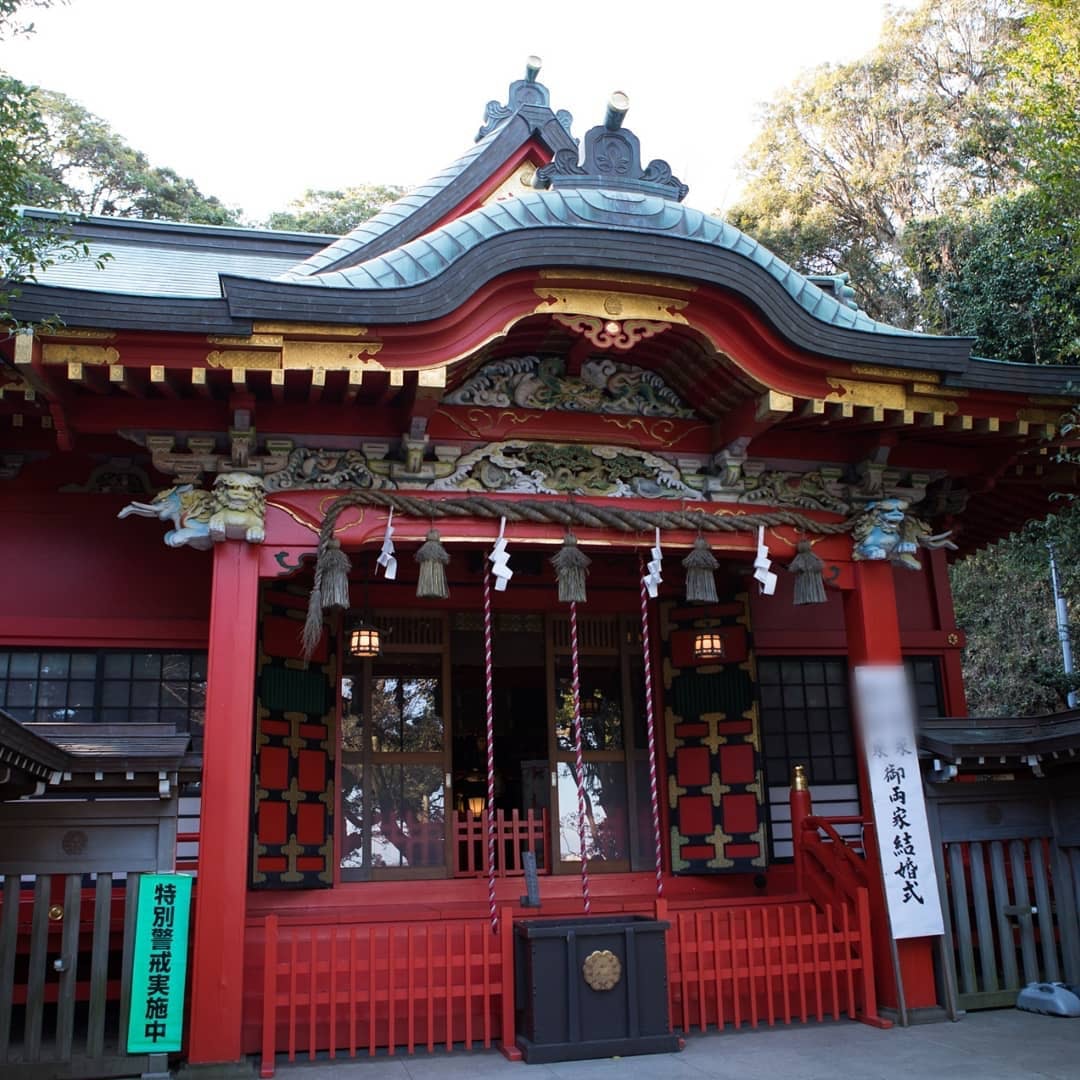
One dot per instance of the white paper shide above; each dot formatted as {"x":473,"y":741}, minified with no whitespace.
{"x":887,"y":715}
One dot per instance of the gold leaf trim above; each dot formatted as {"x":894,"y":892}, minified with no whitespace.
{"x":609,"y":304}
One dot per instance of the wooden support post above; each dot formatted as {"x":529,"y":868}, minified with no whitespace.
{"x":873,"y":637}
{"x":801,"y":808}
{"x":217,"y":980}
{"x":509,"y":1044}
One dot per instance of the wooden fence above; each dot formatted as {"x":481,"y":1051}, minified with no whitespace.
{"x":515,"y":834}
{"x":1013,"y":915}
{"x":787,"y":962}
{"x":73,"y":956}
{"x":352,"y":988}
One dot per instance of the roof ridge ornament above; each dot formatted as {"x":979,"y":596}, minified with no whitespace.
{"x":522,"y":92}
{"x":612,"y":161}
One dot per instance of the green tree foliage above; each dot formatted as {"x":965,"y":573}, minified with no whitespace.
{"x":1004,"y":602}
{"x":1043,"y":74}
{"x":1005,"y":273}
{"x":1007,"y":269}
{"x":334,"y":212}
{"x":851,"y":154}
{"x":77,"y":163}
{"x":26,"y":247}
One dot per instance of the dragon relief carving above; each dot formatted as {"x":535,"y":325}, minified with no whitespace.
{"x":332,"y":469}
{"x":604,"y":386}
{"x":235,"y":509}
{"x":566,"y":468}
{"x":820,"y":490}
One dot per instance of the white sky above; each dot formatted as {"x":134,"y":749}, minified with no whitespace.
{"x":257,"y":100}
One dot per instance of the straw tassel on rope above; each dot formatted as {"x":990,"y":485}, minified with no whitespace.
{"x":807,"y":568}
{"x":330,"y":592}
{"x":571,"y":565}
{"x":433,"y":558}
{"x":701,"y":567}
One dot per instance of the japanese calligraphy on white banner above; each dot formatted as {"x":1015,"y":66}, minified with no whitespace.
{"x":887,"y":714}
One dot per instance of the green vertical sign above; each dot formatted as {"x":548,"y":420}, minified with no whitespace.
{"x":159,"y":967}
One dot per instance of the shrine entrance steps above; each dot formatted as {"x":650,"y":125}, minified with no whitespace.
{"x":338,"y":987}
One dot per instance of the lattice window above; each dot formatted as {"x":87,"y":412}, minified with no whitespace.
{"x":806,"y":720}
{"x":104,"y":686}
{"x":404,"y":630}
{"x":595,"y":632}
{"x":924,"y":672}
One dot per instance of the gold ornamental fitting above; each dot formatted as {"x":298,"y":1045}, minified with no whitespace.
{"x":602,"y":969}
{"x":798,"y":779}
{"x":56,"y":912}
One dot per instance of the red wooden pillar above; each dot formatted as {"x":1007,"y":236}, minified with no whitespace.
{"x":873,"y":637}
{"x":217,"y":980}
{"x":952,"y":677}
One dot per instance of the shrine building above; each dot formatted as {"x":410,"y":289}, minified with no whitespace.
{"x":542,"y":520}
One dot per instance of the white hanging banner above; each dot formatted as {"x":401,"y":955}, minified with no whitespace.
{"x":387,"y":560}
{"x":762,"y":574}
{"x":654,"y":576}
{"x":500,"y":560}
{"x":887,"y":721}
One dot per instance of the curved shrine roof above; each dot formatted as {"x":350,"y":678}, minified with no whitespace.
{"x":430,"y":255}
{"x":425,"y":255}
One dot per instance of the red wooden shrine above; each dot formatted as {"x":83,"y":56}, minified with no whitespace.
{"x":541,"y":326}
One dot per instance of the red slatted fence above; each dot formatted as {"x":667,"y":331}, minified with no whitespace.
{"x":787,"y":962}
{"x":515,"y":833}
{"x":354,"y":988}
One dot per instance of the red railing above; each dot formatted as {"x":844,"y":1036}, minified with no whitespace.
{"x":833,"y":875}
{"x":350,"y":989}
{"x":358,"y":988}
{"x":786,"y":962}
{"x":515,"y":834}
{"x":826,"y":862}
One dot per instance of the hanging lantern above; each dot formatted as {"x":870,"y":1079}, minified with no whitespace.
{"x":433,"y":559}
{"x":807,"y":568}
{"x":701,"y":567}
{"x":708,"y":645}
{"x":476,"y":804}
{"x":365,"y":641}
{"x":571,"y":565}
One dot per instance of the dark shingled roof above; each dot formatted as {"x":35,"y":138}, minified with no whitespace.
{"x":956,"y":739}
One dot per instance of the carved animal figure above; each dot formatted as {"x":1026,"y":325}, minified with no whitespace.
{"x":914,"y":534}
{"x":187,"y":508}
{"x":239,"y":508}
{"x":877,"y":529}
{"x":885,"y":530}
{"x":234,"y":510}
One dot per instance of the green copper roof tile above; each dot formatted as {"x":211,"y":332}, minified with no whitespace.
{"x":393,"y":215}
{"x":427,"y":257}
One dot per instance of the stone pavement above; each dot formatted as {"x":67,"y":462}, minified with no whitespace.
{"x":1002,"y":1044}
